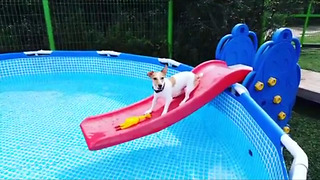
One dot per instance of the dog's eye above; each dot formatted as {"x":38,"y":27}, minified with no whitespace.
{"x":162,"y":78}
{"x":154,"y":78}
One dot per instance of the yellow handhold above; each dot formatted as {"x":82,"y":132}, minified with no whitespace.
{"x":286,"y":129}
{"x":259,"y":86}
{"x":282,"y":115}
{"x":133,"y":121}
{"x":277,"y":99}
{"x":272,"y":81}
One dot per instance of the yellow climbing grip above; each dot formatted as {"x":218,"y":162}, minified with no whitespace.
{"x":282,"y":115}
{"x":272,"y":81}
{"x":259,"y":86}
{"x":286,"y":129}
{"x":277,"y":99}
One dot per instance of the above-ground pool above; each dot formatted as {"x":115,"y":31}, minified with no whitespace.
{"x":44,"y":99}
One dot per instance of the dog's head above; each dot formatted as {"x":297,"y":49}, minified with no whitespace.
{"x":158,"y":78}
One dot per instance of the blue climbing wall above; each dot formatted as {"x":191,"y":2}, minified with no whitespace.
{"x":239,"y":47}
{"x":276,"y":59}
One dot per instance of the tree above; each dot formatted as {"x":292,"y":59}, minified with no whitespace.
{"x":200,"y":24}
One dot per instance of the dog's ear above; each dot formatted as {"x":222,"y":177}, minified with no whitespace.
{"x":165,"y":69}
{"x":150,"y":73}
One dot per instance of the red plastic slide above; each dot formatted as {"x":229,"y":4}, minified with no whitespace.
{"x":100,"y":132}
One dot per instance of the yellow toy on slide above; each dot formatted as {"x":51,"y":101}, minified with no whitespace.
{"x":131,"y":121}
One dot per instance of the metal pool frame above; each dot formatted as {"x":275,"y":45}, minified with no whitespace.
{"x":279,"y":138}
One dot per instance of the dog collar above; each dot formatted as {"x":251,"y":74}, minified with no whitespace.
{"x":159,"y":90}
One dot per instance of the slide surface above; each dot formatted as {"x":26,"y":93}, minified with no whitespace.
{"x":100,"y":132}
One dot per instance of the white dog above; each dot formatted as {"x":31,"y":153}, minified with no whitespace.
{"x":173,"y":87}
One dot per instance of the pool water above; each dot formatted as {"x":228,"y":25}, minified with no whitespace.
{"x":40,"y":136}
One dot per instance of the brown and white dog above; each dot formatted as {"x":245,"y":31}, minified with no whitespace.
{"x":168,"y":88}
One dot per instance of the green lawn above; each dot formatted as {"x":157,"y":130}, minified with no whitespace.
{"x":312,"y":38}
{"x":305,"y":130}
{"x":310,"y":59}
{"x":305,"y":121}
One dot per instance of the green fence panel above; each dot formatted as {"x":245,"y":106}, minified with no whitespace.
{"x":22,"y":26}
{"x":311,"y":29}
{"x":133,"y":26}
{"x":121,"y":25}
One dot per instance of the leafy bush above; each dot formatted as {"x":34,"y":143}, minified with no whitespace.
{"x":200,"y":24}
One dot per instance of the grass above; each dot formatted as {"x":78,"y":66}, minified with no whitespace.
{"x":305,"y":130}
{"x":310,"y":59}
{"x":305,"y":122}
{"x":312,"y":38}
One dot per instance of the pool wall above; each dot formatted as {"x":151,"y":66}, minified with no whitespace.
{"x":259,"y":128}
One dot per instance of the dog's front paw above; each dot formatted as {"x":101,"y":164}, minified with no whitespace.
{"x":182,"y":103}
{"x":163,"y":113}
{"x":148,"y":112}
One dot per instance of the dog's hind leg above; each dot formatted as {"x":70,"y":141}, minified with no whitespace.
{"x":188,"y":90}
{"x":197,"y":79}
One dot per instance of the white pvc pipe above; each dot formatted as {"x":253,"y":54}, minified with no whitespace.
{"x":242,"y":66}
{"x":169,"y":61}
{"x":108,"y":53}
{"x":36,"y":53}
{"x":240,"y":89}
{"x":299,"y":166}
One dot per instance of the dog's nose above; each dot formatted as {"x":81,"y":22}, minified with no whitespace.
{"x":159,"y":86}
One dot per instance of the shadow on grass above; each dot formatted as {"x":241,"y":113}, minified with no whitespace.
{"x":311,"y":109}
{"x":305,"y":130}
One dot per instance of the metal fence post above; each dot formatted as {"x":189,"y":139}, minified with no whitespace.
{"x":170,"y":28}
{"x":47,"y":17}
{"x":306,"y":22}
